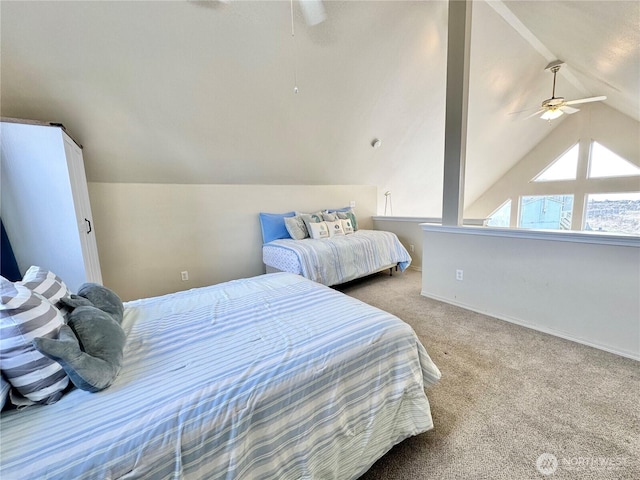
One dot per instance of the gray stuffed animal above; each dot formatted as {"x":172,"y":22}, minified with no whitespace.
{"x":92,"y":294}
{"x":90,"y":347}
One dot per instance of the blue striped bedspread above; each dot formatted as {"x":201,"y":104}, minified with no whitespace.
{"x":338,"y":259}
{"x":271,"y":377}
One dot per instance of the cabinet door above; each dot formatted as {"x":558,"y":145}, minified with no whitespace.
{"x":82,"y":206}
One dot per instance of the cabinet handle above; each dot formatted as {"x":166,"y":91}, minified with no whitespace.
{"x":88,"y":223}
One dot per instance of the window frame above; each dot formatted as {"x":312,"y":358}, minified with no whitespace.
{"x":580,"y":187}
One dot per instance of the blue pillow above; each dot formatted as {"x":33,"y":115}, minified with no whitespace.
{"x":273,"y":226}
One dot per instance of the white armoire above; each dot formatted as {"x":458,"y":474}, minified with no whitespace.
{"x":45,"y":202}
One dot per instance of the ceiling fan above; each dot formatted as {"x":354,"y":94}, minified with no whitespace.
{"x":312,"y":11}
{"x":554,"y":107}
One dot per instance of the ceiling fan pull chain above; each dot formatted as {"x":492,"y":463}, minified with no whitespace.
{"x":295,"y":56}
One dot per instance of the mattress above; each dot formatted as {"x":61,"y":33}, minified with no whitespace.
{"x":267,"y":377}
{"x":338,"y":259}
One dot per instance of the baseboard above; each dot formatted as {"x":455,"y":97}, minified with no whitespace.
{"x":415,"y":268}
{"x":550,"y":331}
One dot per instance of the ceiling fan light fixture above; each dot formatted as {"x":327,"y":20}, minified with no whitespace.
{"x":551,"y":114}
{"x":554,"y":107}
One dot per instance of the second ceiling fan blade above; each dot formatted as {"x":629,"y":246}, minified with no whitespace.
{"x":313,"y":11}
{"x":586,"y":100}
{"x":569,"y":110}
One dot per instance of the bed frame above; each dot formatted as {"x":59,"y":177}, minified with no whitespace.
{"x":270,"y":269}
{"x":338,"y":259}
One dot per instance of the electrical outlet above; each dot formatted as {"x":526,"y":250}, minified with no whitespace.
{"x":459,"y":275}
{"x":184,"y":275}
{"x":352,"y":204}
{"x":412,"y":248}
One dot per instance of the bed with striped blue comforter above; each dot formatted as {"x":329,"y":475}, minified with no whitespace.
{"x":337,"y":259}
{"x":271,"y":377}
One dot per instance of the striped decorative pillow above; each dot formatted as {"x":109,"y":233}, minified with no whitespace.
{"x":46,"y":283}
{"x":25,"y":315}
{"x":5,"y":386}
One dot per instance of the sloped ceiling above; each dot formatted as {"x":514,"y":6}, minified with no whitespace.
{"x":203,"y":92}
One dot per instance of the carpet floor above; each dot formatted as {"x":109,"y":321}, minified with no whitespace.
{"x":513,"y":403}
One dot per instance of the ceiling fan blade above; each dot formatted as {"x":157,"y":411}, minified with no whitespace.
{"x":313,"y":11}
{"x":569,"y":110}
{"x":530,"y":109}
{"x":535,"y":113}
{"x":586,"y":100}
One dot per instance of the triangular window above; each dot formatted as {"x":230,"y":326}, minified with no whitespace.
{"x":501,"y":217}
{"x":604,"y":163}
{"x":563,"y":168}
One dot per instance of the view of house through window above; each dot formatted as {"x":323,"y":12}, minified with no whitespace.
{"x":546,"y":212}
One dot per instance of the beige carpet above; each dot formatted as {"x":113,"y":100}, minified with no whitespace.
{"x":507,"y":395}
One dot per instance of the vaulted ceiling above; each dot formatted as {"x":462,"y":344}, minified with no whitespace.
{"x":203,"y":91}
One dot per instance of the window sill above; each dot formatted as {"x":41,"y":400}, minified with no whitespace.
{"x":550,"y":235}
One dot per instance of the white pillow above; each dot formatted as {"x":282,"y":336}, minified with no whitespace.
{"x":347,"y":227}
{"x":335,"y":228}
{"x":319,"y":230}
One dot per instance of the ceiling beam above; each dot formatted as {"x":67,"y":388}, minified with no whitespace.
{"x":515,"y":23}
{"x":456,"y":109}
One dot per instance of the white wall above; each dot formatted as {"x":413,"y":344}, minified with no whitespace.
{"x":148,"y":233}
{"x":587,"y":292}
{"x":409,"y":232}
{"x":598,"y":122}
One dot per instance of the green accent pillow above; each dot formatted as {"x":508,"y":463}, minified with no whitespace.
{"x":346,"y":226}
{"x":349,"y":215}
